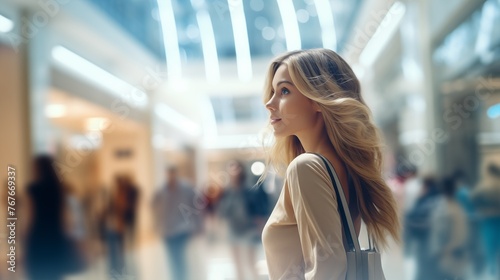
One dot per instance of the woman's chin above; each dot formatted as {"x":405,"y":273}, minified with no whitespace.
{"x":279,"y":134}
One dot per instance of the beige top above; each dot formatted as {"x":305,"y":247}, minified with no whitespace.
{"x":303,"y":237}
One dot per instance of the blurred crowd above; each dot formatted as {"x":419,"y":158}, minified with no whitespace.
{"x":68,"y":232}
{"x":451,"y":225}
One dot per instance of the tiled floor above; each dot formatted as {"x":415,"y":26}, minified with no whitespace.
{"x":210,"y":259}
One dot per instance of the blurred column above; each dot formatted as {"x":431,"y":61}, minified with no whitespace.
{"x":424,"y":101}
{"x":36,"y":33}
{"x":15,"y":146}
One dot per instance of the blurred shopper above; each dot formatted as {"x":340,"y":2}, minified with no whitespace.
{"x":449,"y":235}
{"x":50,"y":253}
{"x":121,"y":221}
{"x":75,"y":216}
{"x":315,"y":103}
{"x":405,"y":185}
{"x":464,"y":197}
{"x":486,"y":199}
{"x":212,"y":197}
{"x":245,"y":210}
{"x":418,"y":228}
{"x":178,"y":220}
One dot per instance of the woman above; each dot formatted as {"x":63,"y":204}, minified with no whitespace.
{"x":47,"y":257}
{"x":121,"y":221}
{"x":315,"y":105}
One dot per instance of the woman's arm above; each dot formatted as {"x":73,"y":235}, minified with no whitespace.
{"x":318,"y":220}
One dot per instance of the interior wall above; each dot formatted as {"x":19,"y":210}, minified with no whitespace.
{"x":14,"y":146}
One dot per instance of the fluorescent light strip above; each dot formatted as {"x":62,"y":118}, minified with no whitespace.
{"x":290,"y":24}
{"x":383,"y":34}
{"x":55,"y":110}
{"x":170,"y":39}
{"x":209,"y":47}
{"x":325,"y":16}
{"x":93,"y":73}
{"x":243,"y":57}
{"x":6,"y":25}
{"x":177,"y":120}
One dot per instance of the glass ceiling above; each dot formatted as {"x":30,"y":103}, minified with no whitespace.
{"x":271,"y":24}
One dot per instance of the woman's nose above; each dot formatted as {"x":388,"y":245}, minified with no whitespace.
{"x":270,"y":104}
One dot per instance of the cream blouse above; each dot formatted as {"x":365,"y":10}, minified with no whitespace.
{"x":303,"y":237}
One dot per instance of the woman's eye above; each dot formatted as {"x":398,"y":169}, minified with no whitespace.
{"x":285,"y":91}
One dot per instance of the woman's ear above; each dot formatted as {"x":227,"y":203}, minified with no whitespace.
{"x":316,"y":107}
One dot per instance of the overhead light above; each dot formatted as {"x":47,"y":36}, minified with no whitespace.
{"x":242,"y":47}
{"x":93,"y":73}
{"x":6,"y":25}
{"x":258,"y":168}
{"x":385,"y":31}
{"x":325,"y":16}
{"x":179,"y":121}
{"x":290,"y":24}
{"x":212,"y":71}
{"x":170,"y":39}
{"x":303,"y":16}
{"x":96,"y":124}
{"x":55,"y":110}
{"x":268,"y":33}
{"x":178,"y":85}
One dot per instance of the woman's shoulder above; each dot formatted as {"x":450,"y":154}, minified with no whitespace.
{"x":306,"y":159}
{"x":305,"y":163}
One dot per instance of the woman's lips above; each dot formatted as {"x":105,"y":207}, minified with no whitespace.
{"x":273,"y":121}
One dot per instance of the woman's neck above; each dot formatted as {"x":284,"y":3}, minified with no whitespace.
{"x":316,"y":142}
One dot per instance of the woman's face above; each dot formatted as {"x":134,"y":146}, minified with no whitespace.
{"x":291,"y":112}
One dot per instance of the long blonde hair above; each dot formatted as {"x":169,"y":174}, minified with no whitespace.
{"x":324,"y":77}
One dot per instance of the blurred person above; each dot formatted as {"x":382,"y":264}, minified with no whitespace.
{"x":75,"y":215}
{"x":178,"y":221}
{"x":486,"y":198}
{"x":411,"y":189}
{"x":463,"y":192}
{"x":417,"y":226}
{"x":245,"y":210}
{"x":121,"y":221}
{"x":212,"y":197}
{"x":50,"y":254}
{"x":95,"y":204}
{"x":315,"y":105}
{"x":75,"y":227}
{"x":464,"y":197}
{"x":448,"y":235}
{"x":405,"y":185}
{"x":259,"y":208}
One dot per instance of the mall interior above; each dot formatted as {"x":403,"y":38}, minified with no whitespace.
{"x":121,"y":97}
